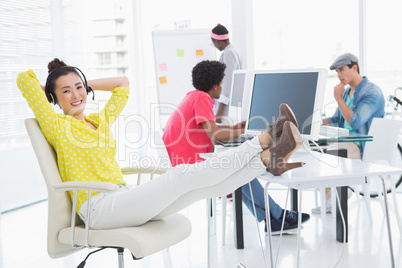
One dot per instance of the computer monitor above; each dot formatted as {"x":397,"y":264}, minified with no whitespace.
{"x":303,"y":90}
{"x":240,"y":92}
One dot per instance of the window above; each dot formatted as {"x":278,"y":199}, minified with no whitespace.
{"x":312,"y":33}
{"x":384,"y":56}
{"x":300,"y":34}
{"x":31,"y":34}
{"x":29,"y":38}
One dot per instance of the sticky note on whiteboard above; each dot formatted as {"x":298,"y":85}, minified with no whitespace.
{"x":180,"y":53}
{"x":163,"y":67}
{"x":199,"y":52}
{"x":162,"y":80}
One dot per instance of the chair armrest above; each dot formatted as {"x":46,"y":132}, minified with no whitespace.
{"x":86,"y":185}
{"x":147,"y":170}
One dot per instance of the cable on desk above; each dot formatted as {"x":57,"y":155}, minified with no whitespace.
{"x":340,"y":210}
{"x":256,"y":222}
{"x":283,"y":223}
{"x":318,"y":146}
{"x":344,"y":228}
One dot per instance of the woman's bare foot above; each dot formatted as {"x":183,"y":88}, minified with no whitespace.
{"x":265,"y":157}
{"x":265,"y":140}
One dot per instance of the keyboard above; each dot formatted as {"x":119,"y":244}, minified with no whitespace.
{"x":235,"y":141}
{"x":330,"y":131}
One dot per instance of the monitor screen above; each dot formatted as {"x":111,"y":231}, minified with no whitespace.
{"x":302,"y":90}
{"x":239,"y":78}
{"x":240,"y":92}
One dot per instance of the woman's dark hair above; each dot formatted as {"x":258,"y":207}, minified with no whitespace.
{"x":56,"y":68}
{"x":206,"y":74}
{"x":55,"y":64}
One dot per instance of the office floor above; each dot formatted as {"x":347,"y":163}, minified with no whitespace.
{"x":23,"y":241}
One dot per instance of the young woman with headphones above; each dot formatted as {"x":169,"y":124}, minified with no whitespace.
{"x":86,"y":151}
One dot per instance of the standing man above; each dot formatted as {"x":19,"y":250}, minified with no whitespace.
{"x":359,"y":101}
{"x":220,"y":39}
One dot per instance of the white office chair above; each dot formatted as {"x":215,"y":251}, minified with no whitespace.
{"x":381,"y":150}
{"x":68,"y":234}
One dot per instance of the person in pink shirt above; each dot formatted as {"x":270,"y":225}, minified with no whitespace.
{"x":191,"y":130}
{"x":191,"y":126}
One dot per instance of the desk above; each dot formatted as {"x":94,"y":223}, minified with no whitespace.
{"x":239,"y":237}
{"x":323,"y":170}
{"x":351,"y":138}
{"x":341,"y":233}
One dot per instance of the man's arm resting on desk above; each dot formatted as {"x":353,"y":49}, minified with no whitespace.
{"x":216,"y":132}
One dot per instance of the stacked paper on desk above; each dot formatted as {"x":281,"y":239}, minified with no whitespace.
{"x":333,"y":132}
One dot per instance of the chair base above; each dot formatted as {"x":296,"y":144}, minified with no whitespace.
{"x":120,"y":252}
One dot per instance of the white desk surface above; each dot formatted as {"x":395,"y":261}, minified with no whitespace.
{"x":324,"y":170}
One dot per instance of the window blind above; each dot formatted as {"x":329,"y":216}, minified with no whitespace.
{"x":32,"y":33}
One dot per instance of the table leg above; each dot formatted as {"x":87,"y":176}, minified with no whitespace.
{"x":267,"y":216}
{"x":388,"y":223}
{"x":209,"y":218}
{"x":238,"y":227}
{"x":299,"y":218}
{"x":293,"y":200}
{"x":343,"y":196}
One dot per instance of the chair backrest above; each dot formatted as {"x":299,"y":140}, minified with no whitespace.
{"x":59,"y":203}
{"x":385,"y":134}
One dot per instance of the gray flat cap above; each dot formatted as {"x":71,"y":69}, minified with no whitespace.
{"x":344,"y":60}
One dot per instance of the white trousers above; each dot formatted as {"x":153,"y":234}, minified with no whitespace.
{"x":178,"y":188}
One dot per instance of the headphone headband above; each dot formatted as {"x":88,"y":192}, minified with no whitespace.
{"x":49,"y":95}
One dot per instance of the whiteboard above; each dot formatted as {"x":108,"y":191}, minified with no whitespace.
{"x":176,"y":52}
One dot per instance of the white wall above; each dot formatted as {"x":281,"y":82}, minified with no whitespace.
{"x":21,"y":180}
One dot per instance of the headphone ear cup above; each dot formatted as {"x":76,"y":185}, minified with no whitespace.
{"x":51,"y":99}
{"x":89,"y":89}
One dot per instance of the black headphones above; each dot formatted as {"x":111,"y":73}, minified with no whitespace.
{"x":49,"y":95}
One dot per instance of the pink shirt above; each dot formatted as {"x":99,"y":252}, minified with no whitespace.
{"x":184,"y":136}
